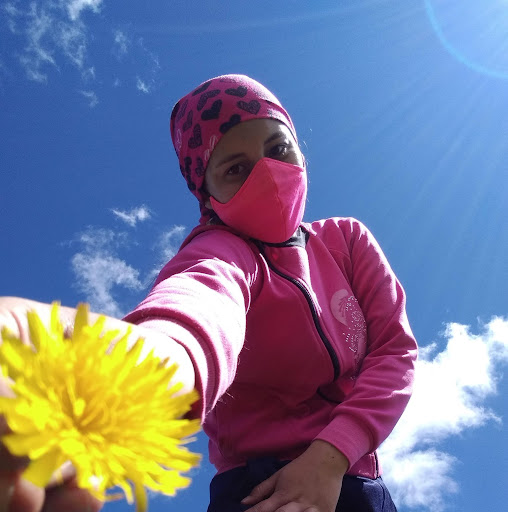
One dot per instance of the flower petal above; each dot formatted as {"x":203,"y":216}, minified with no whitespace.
{"x":39,"y":471}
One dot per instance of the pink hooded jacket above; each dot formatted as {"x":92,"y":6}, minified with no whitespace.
{"x":290,"y":342}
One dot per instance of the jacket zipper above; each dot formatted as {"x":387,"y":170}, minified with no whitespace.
{"x":310,"y":302}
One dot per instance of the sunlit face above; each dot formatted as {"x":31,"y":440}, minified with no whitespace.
{"x":241,"y":148}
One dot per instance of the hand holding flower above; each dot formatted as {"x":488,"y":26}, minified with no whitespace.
{"x":113,"y":412}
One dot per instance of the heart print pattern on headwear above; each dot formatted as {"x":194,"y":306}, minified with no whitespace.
{"x":202,"y":117}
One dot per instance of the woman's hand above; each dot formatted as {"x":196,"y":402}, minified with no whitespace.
{"x":310,"y":483}
{"x":17,"y":494}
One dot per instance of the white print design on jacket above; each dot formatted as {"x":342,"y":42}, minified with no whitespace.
{"x":346,"y":310}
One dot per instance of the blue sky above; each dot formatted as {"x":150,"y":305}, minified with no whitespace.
{"x":413,"y":142}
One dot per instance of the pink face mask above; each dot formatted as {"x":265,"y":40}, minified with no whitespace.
{"x":269,"y":206}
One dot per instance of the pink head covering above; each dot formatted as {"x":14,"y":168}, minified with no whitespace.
{"x":203,"y":116}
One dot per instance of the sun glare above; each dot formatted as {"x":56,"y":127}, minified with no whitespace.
{"x":474,"y":32}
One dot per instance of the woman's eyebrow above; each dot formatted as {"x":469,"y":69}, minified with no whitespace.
{"x":229,"y":158}
{"x":276,"y":135}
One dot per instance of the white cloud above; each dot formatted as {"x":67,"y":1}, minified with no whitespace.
{"x":52,"y":29}
{"x":152,"y":56}
{"x":169,"y":242}
{"x":71,"y":39}
{"x":11,"y":9}
{"x":166,"y":246}
{"x":88,"y":74}
{"x":142,"y":86}
{"x":99,"y":270}
{"x":97,"y":239}
{"x":133,"y":216}
{"x":53,"y":33}
{"x":122,"y":43}
{"x":450,"y":389}
{"x":151,"y":69}
{"x":91,"y":97}
{"x":98,"y":274}
{"x":36,"y":56}
{"x":103,"y":275}
{"x":12,"y":13}
{"x":74,"y":7}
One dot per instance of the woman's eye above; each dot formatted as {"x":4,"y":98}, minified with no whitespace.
{"x":279,"y":150}
{"x":235,"y":170}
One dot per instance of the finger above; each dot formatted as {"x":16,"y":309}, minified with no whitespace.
{"x":6,"y":490}
{"x":71,"y":498}
{"x":276,"y":503}
{"x":26,"y":497}
{"x":296,"y":507}
{"x":261,"y":491}
{"x":13,"y":317}
{"x":63,"y":474}
{"x":5,"y":390}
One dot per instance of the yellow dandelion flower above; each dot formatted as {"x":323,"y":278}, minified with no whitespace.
{"x":110,"y":412}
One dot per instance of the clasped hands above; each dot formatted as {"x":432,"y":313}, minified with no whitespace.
{"x":310,"y":483}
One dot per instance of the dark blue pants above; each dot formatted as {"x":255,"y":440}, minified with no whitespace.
{"x":358,"y":494}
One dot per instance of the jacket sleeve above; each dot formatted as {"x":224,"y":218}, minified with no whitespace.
{"x":383,"y":386}
{"x":200,"y":299}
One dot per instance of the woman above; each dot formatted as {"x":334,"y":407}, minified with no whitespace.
{"x":297,"y":333}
